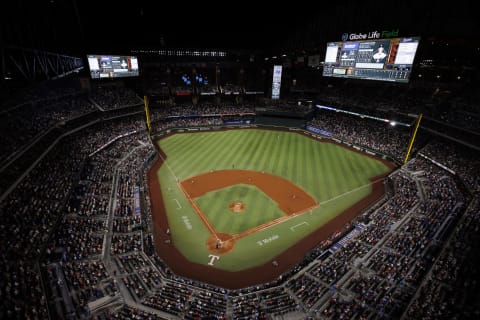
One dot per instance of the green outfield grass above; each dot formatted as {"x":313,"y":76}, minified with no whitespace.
{"x":259,"y":209}
{"x":335,"y":176}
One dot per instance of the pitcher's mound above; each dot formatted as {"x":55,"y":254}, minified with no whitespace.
{"x":222,"y":244}
{"x":237,"y":206}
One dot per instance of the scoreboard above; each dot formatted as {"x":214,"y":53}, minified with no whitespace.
{"x":103,"y":66}
{"x":378,"y":59}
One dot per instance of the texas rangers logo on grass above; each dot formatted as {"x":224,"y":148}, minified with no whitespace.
{"x":213,"y":258}
{"x":285,"y":193}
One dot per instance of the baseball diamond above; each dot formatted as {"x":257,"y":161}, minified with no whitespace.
{"x":201,"y":163}
{"x":235,"y":201}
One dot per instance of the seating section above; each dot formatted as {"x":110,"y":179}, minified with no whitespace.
{"x":74,"y":240}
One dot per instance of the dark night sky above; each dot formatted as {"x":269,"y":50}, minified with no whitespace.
{"x":79,"y":26}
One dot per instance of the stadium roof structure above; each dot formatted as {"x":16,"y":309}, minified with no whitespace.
{"x":77,"y":27}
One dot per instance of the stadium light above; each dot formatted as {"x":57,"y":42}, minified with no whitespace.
{"x":360,"y":115}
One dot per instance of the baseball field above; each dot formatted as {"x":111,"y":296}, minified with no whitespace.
{"x":228,"y":203}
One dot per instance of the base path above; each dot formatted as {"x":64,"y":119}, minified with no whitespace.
{"x":263,"y":273}
{"x":290,"y":197}
{"x":220,"y":243}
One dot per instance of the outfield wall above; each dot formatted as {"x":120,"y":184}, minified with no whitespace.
{"x":309,"y":132}
{"x":264,"y":273}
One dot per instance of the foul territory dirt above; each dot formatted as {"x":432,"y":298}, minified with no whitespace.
{"x":264,"y":273}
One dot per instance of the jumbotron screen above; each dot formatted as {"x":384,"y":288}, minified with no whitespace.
{"x":378,"y":59}
{"x":102,"y":66}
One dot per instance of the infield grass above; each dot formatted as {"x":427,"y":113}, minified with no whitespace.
{"x":334,"y":175}
{"x":259,"y":208}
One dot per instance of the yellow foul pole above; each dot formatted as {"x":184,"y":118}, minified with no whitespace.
{"x":147,"y":114}
{"x":412,"y":138}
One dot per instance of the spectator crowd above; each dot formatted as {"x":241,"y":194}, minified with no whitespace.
{"x":73,"y":236}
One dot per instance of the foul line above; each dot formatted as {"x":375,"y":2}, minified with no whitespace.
{"x":165,"y":163}
{"x":272,"y":223}
{"x":350,"y":191}
{"x":296,"y":214}
{"x":199,"y":213}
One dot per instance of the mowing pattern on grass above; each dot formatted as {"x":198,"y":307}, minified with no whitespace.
{"x":216,"y":207}
{"x":324,"y":170}
{"x":335,"y":177}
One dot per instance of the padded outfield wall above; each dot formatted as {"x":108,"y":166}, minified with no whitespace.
{"x":313,"y":187}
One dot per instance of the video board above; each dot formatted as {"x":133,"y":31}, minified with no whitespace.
{"x":104,"y":66}
{"x":276,"y":82}
{"x":378,"y":59}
